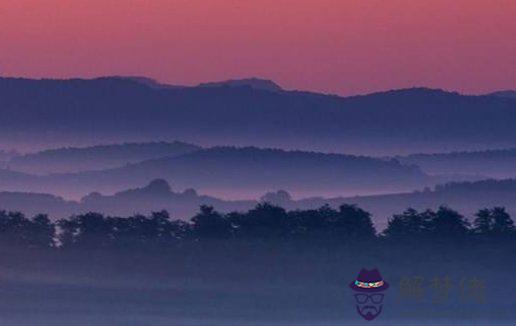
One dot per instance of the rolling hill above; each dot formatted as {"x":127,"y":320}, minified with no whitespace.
{"x":233,"y":172}
{"x":73,"y":159}
{"x":500,"y":163}
{"x":155,"y":196}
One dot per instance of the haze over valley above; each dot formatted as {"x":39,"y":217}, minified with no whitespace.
{"x":307,"y":144}
{"x":257,"y":163}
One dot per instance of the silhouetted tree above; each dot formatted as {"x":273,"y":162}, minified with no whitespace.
{"x":41,"y":232}
{"x":208,"y":223}
{"x":494,"y":221}
{"x":482,"y":224}
{"x":351,"y":222}
{"x":17,"y":230}
{"x":409,"y":225}
{"x":263,"y":221}
{"x":447,"y":223}
{"x":348,"y":223}
{"x":502,"y":221}
{"x":12,"y":228}
{"x":312,"y":224}
{"x":167,"y":231}
{"x":87,"y":230}
{"x":68,"y":230}
{"x":141,"y":231}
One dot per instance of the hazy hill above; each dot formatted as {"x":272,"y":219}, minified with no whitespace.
{"x":38,"y":203}
{"x":245,"y":172}
{"x":5,"y":156}
{"x":71,"y":159}
{"x":467,"y":197}
{"x":120,"y":109}
{"x":239,"y":173}
{"x":157,"y":195}
{"x":491,"y":163}
{"x":13,"y":180}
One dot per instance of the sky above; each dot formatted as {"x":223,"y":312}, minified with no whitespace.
{"x":333,"y":46}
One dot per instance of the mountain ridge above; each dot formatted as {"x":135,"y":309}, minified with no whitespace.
{"x":114,"y":109}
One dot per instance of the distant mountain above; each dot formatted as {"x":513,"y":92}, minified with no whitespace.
{"x":242,"y":173}
{"x":148,"y":82}
{"x":72,"y":159}
{"x":63,"y":112}
{"x":506,"y":94}
{"x":254,"y":83}
{"x":499,"y":163}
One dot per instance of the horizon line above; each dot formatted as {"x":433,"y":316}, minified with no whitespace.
{"x":198,"y":85}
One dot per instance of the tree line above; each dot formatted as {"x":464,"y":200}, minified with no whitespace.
{"x":265,"y":222}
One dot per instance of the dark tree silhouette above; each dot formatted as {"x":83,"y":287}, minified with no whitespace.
{"x":502,"y":221}
{"x":41,"y":232}
{"x":86,"y":230}
{"x":493,"y":221}
{"x":155,"y":230}
{"x":263,"y":221}
{"x":482,"y":224}
{"x":208,"y":223}
{"x":347,"y":224}
{"x":12,"y":228}
{"x":311,"y":224}
{"x":17,"y":230}
{"x":351,"y":222}
{"x":409,"y":225}
{"x":447,"y":223}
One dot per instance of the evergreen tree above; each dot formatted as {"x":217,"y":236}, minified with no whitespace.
{"x":493,"y":221}
{"x":448,"y":223}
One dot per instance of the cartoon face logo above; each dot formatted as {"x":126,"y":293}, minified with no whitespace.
{"x":368,"y":288}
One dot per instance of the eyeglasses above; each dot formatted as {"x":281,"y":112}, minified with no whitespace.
{"x":375,"y":298}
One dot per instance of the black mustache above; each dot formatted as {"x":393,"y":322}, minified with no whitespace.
{"x":365,"y":308}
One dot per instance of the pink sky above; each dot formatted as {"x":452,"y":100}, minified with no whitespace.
{"x":334,"y":46}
